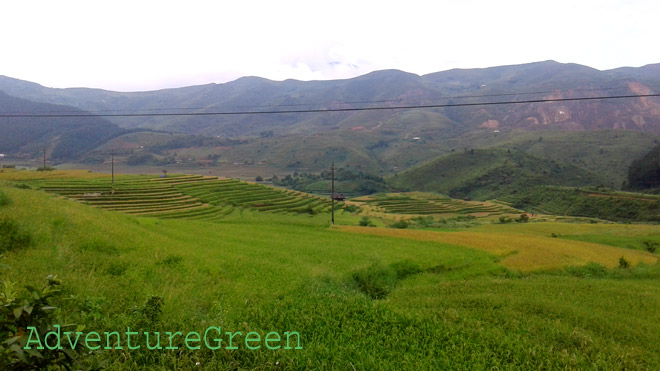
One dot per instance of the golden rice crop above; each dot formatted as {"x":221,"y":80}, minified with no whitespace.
{"x":523,"y":252}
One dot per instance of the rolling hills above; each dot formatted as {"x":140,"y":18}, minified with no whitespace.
{"x":66,"y":138}
{"x":489,"y":173}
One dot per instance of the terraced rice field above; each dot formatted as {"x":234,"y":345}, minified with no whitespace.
{"x":183,"y":196}
{"x":427,"y":203}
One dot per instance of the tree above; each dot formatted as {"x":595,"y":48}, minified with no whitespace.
{"x":259,"y":178}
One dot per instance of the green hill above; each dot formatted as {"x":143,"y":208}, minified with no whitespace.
{"x":608,"y":153}
{"x":489,"y":173}
{"x":645,"y":171}
{"x":589,"y":202}
{"x":66,"y":137}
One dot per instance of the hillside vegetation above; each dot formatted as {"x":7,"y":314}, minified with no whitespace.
{"x":65,"y":137}
{"x":608,"y":153}
{"x":644,"y":172}
{"x":489,"y":173}
{"x":363,"y":298}
{"x":547,"y":79}
{"x":589,"y":202}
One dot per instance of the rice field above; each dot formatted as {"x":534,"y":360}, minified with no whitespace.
{"x":417,"y":203}
{"x":182,"y":196}
{"x":519,"y":296}
{"x":523,"y":251}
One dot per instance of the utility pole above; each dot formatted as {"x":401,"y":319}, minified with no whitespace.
{"x":44,"y":158}
{"x":332,"y":193}
{"x":112,"y":156}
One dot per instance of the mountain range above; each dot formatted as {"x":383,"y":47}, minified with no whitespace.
{"x":602,"y":136}
{"x":542,"y":80}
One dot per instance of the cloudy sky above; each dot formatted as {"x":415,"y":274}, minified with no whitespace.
{"x":145,"y":45}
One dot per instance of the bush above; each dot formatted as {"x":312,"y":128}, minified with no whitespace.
{"x":650,"y":246}
{"x":33,"y":309}
{"x":4,"y":199}
{"x":623,"y":263}
{"x":376,"y":280}
{"x":405,"y":268}
{"x":424,"y":221}
{"x":351,"y":208}
{"x":11,"y":237}
{"x":505,"y":220}
{"x":401,"y":224}
{"x":366,"y":222}
{"x":524,"y":218}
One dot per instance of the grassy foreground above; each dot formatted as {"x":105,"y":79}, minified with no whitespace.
{"x":374,"y":300}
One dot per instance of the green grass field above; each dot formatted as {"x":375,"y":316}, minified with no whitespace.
{"x":494,"y":297}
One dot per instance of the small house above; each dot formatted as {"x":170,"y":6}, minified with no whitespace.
{"x":338,"y":196}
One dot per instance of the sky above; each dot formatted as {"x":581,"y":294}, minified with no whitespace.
{"x":139,"y":45}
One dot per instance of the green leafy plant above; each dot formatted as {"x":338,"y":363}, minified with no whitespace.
{"x":20,"y":316}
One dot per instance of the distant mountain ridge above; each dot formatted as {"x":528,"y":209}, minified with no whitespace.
{"x":65,"y":138}
{"x":538,"y":80}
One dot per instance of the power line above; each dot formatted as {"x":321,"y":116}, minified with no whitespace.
{"x":327,"y":110}
{"x":101,"y":112}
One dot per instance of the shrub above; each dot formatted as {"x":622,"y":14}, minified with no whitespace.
{"x":424,"y":221}
{"x":623,"y":263}
{"x":4,"y":199}
{"x":11,"y":237}
{"x":524,"y":218}
{"x":650,"y":246}
{"x":375,"y":281}
{"x":505,"y":220}
{"x":366,"y":222}
{"x":351,"y":208}
{"x":405,"y":268}
{"x":33,"y":309}
{"x":401,"y":224}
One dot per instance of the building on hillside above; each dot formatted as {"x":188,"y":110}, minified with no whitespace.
{"x":338,"y":196}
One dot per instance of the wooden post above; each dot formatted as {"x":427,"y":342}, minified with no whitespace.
{"x":332,"y":194}
{"x":112,"y":157}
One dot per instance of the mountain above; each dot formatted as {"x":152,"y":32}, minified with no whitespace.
{"x":489,"y":173}
{"x":65,"y":137}
{"x":541,"y":80}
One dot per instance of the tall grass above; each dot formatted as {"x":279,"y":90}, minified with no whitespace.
{"x":447,"y":306}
